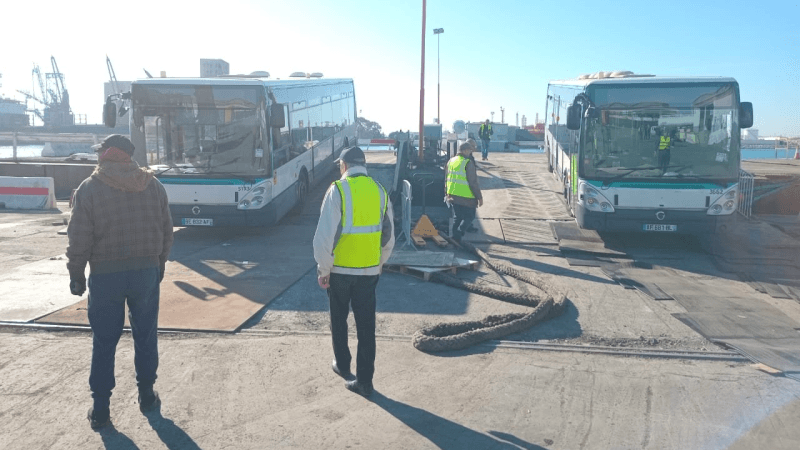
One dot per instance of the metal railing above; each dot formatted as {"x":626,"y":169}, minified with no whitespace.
{"x":745,"y":193}
{"x":405,"y":232}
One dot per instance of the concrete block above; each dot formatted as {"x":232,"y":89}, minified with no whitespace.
{"x":27,"y":192}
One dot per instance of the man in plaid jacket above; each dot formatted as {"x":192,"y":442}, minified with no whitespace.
{"x":121,"y":226}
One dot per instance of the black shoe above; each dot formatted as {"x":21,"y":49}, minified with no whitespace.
{"x":363,"y":389}
{"x":150,"y":402}
{"x":98,"y":419}
{"x":346,"y":374}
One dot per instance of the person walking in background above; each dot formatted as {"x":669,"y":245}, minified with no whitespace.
{"x":485,"y":133}
{"x":354,"y":238}
{"x":462,"y":189}
{"x":121,"y":226}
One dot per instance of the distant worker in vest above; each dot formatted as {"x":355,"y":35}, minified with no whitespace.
{"x":461,"y":188}
{"x":485,"y":133}
{"x":354,"y":238}
{"x":664,"y":146}
{"x":121,"y":226}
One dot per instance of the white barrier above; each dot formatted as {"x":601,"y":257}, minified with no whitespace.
{"x":27,"y":192}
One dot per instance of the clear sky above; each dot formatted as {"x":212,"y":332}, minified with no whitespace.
{"x":493,"y":54}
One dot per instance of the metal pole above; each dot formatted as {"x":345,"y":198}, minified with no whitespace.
{"x":438,"y":84}
{"x":422,"y":89}
{"x":14,"y":142}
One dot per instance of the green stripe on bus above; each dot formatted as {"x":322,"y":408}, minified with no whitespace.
{"x":656,"y":185}
{"x":208,"y":181}
{"x":573,"y":178}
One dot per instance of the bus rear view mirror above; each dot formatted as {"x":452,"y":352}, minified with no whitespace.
{"x":745,"y":115}
{"x":276,"y":116}
{"x":110,"y":113}
{"x":574,"y":117}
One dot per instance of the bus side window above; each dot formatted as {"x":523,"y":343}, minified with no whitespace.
{"x":281,"y":139}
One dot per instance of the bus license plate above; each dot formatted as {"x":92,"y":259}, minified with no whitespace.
{"x":659,"y":227}
{"x":192,"y":221}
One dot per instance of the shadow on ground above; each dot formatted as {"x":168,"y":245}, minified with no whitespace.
{"x":446,"y":434}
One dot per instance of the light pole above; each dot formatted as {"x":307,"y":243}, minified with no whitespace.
{"x":422,"y":90}
{"x":437,"y":32}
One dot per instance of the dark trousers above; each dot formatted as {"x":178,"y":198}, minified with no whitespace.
{"x":108,"y":294}
{"x":663,"y":159}
{"x":358,"y":292}
{"x":464,"y":217}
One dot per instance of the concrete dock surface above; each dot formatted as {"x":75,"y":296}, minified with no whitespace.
{"x":270,"y":385}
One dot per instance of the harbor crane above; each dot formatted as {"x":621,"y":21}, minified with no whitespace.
{"x":54,"y":97}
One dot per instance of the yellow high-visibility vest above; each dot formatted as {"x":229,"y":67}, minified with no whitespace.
{"x":664,"y":143}
{"x":364,"y":204}
{"x":456,"y":183}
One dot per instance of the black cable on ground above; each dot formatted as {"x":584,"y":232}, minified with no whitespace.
{"x":459,"y":335}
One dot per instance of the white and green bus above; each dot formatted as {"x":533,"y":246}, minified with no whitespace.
{"x":239,"y":151}
{"x":647,"y":153}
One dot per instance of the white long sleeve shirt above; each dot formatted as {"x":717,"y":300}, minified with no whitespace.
{"x":329,"y":229}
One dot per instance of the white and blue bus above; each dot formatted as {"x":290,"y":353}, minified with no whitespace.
{"x":646,"y":153}
{"x":240,"y":151}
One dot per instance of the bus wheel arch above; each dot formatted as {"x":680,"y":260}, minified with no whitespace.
{"x":302,"y":188}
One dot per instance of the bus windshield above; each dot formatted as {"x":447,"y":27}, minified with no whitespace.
{"x":202,"y":129}
{"x":676,"y":130}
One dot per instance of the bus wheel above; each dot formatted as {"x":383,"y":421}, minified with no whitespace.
{"x":302,"y":193}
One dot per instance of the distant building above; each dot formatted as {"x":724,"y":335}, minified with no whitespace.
{"x":214,"y":68}
{"x":750,"y":134}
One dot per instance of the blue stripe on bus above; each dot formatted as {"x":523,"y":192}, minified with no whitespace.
{"x":208,"y":181}
{"x":657,"y":185}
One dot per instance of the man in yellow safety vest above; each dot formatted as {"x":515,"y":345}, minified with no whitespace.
{"x":354,"y":238}
{"x":664,"y":145}
{"x":462,"y":189}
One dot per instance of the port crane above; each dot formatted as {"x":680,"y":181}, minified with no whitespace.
{"x":54,"y":97}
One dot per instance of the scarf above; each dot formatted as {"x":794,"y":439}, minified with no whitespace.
{"x":116,"y":169}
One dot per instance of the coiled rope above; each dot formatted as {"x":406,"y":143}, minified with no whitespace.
{"x":460,"y":335}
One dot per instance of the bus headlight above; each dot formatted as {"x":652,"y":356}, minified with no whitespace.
{"x":257,"y":200}
{"x":593,"y":200}
{"x":244,"y":204}
{"x":258,"y":191}
{"x":725,"y":203}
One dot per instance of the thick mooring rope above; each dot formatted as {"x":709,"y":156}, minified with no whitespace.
{"x":459,"y":335}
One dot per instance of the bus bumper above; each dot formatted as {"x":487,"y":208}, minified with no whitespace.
{"x":635,"y":220}
{"x":221,"y":216}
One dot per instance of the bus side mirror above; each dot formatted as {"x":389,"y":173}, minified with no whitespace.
{"x":574,"y":117}
{"x":745,"y":115}
{"x":110,"y":113}
{"x":592,"y":113}
{"x":276,"y":116}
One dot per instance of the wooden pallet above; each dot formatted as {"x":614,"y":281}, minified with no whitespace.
{"x":426,"y":272}
{"x":423,"y":272}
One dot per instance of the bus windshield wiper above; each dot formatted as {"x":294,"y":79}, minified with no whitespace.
{"x":630,"y":171}
{"x":170,"y":167}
